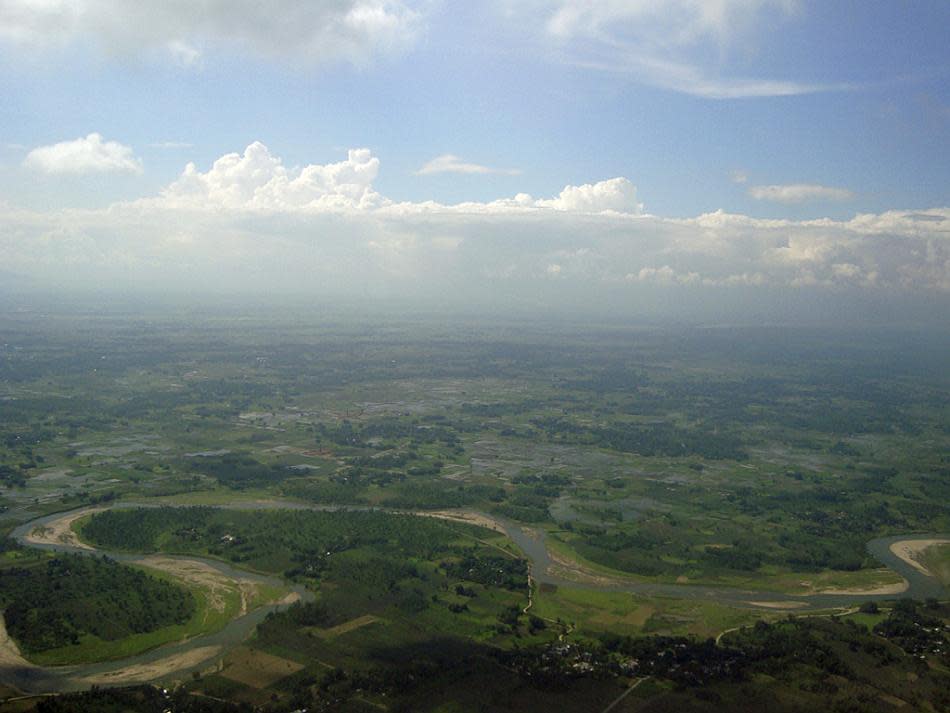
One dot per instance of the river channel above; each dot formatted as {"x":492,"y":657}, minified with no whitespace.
{"x":532,"y":542}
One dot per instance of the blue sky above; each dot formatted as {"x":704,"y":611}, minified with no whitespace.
{"x":789,"y":110}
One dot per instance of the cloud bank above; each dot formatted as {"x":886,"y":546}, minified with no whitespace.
{"x":315,"y":31}
{"x":250,"y":222}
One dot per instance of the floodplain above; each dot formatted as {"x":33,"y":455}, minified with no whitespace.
{"x":369,"y":513}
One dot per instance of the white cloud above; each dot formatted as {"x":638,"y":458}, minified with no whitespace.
{"x":680,"y":45}
{"x":615,"y":194}
{"x":662,"y":22}
{"x":799,"y":193}
{"x":84,"y":155}
{"x":258,"y":181}
{"x":450,"y":163}
{"x":250,"y":221}
{"x":316,"y":31}
{"x":694,"y":79}
{"x":665,"y":275}
{"x":183,"y":53}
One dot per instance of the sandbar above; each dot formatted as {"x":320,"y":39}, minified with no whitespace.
{"x":911,"y":550}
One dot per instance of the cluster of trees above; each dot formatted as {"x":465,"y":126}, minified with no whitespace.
{"x":274,"y":540}
{"x":489,"y":570}
{"x":917,"y":628}
{"x":11,"y":476}
{"x":664,"y":439}
{"x":651,"y":439}
{"x":239,"y":470}
{"x":57,"y":602}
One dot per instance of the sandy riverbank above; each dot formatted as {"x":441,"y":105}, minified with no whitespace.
{"x":911,"y":550}
{"x":882,"y":591}
{"x":60,"y":532}
{"x":469,"y":518}
{"x":154,"y":670}
{"x":203,"y":575}
{"x":575,"y":571}
{"x":9,"y":651}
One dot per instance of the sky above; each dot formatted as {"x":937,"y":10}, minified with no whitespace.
{"x":602,"y":152}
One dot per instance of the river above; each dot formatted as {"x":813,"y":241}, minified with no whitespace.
{"x":532,"y":542}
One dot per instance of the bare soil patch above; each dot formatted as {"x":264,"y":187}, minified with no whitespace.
{"x":340,"y":629}
{"x":257,"y":669}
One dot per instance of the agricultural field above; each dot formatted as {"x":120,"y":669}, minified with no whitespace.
{"x":937,"y":560}
{"x":407,"y":507}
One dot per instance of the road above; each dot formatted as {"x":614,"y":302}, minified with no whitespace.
{"x":616,"y":702}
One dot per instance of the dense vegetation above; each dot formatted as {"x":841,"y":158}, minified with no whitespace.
{"x":58,"y":602}
{"x":297,"y":542}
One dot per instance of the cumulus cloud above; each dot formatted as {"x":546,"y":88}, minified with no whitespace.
{"x":250,"y":221}
{"x":615,"y":194}
{"x":353,"y":31}
{"x":89,"y":154}
{"x":799,"y":193}
{"x":450,"y":163}
{"x":258,"y":181}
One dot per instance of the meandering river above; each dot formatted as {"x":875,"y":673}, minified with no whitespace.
{"x":179,"y":659}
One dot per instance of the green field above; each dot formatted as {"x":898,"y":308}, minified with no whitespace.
{"x":937,"y":560}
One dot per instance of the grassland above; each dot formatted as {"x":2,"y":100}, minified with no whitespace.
{"x":590,"y":613}
{"x":937,"y":561}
